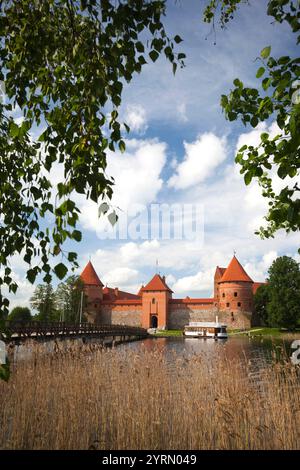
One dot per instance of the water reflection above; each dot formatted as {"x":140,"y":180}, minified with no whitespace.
{"x":257,"y":352}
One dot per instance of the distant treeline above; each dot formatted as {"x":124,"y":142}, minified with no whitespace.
{"x":62,"y":304}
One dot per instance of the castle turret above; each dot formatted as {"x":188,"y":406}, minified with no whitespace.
{"x":93,"y":290}
{"x":235,"y":293}
{"x":218,"y":275}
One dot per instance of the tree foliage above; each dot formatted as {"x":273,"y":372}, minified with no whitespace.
{"x":261,"y":299}
{"x":64,"y":64}
{"x":283,"y":307}
{"x":277,"y":98}
{"x":69,"y":298}
{"x":20,"y":314}
{"x":44,"y":302}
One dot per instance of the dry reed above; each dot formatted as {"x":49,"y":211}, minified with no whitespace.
{"x":89,"y":397}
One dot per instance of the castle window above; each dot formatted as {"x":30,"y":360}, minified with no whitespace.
{"x":223,"y":295}
{"x":239,"y":304}
{"x":235,"y":294}
{"x":228,"y":304}
{"x":153,"y":301}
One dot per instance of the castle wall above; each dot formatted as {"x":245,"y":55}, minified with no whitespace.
{"x":180,"y":314}
{"x":120,"y":314}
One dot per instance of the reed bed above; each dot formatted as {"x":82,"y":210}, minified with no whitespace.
{"x":87,"y":397}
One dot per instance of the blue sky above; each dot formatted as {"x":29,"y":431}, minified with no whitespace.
{"x":181,"y":151}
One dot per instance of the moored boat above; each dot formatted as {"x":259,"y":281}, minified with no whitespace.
{"x":206,"y":330}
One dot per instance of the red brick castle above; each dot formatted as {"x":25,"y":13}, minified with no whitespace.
{"x":154,"y":307}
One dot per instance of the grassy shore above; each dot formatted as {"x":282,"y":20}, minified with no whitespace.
{"x":264,"y":331}
{"x":96,"y":398}
{"x":167,"y":333}
{"x":253,"y":332}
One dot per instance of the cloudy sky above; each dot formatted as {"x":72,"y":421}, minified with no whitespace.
{"x":180,"y":151}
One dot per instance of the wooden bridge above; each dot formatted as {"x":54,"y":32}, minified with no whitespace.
{"x":19,"y":331}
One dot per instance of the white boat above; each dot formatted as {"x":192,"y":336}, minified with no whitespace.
{"x":206,"y":330}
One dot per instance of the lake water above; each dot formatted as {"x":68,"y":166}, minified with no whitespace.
{"x":257,"y":352}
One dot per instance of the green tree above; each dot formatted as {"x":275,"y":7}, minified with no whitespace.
{"x":261,"y":299}
{"x":64,"y":64}
{"x":283,"y":308}
{"x":44,"y":302}
{"x":20,"y":314}
{"x":278,"y":98}
{"x":69,"y":297}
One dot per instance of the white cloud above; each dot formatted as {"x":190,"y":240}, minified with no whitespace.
{"x":120,"y":277}
{"x":258,"y":269}
{"x":201,"y":281}
{"x":200,"y":160}
{"x":135,"y":118}
{"x":182,"y":114}
{"x":137,"y":175}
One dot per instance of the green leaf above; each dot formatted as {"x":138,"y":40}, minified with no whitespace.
{"x":139,"y":46}
{"x":72,"y":256}
{"x":122,"y":146}
{"x":14,"y":129}
{"x":60,"y":270}
{"x":153,"y":55}
{"x":254,"y":121}
{"x":248,"y":178}
{"x":266,"y":83}
{"x":47,"y":278}
{"x":260,"y":72}
{"x":265,"y":52}
{"x":77,"y":235}
{"x":177,"y":39}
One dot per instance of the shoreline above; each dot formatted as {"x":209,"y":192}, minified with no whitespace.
{"x":252,"y":333}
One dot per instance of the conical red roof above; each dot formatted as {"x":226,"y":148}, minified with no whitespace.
{"x":157,"y":283}
{"x":235,"y":272}
{"x":89,"y":276}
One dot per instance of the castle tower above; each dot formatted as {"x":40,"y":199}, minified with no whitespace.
{"x":93,"y":290}
{"x":218,"y":275}
{"x":235,"y":291}
{"x":155,"y":303}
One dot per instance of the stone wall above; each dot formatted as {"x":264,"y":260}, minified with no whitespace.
{"x":236,"y":320}
{"x":181,"y":315}
{"x":121,"y":315}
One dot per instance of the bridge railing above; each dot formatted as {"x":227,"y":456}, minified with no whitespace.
{"x":31,"y":329}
